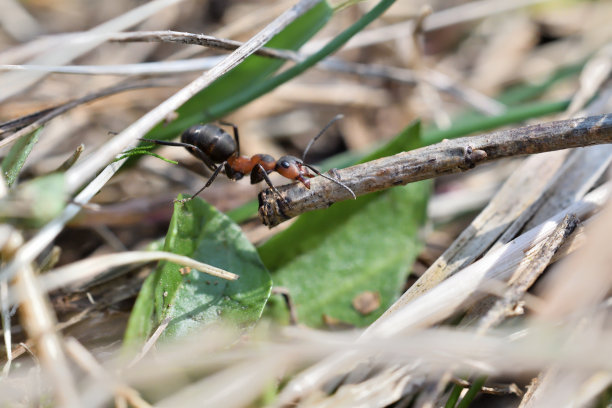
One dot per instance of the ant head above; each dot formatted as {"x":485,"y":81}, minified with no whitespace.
{"x":294,"y":169}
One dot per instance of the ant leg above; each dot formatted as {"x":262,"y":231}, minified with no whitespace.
{"x":192,"y":148}
{"x":235,"y":135}
{"x":259,"y":168}
{"x":332,"y":179}
{"x":208,"y":183}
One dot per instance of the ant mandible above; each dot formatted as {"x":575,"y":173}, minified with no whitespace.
{"x":218,"y":150}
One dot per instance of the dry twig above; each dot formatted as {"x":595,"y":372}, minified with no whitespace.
{"x":432,"y":161}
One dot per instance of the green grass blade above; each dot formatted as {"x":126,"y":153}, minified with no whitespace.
{"x":453,"y":397}
{"x":230,"y":104}
{"x":473,"y":122}
{"x":204,"y":106}
{"x":475,"y":388}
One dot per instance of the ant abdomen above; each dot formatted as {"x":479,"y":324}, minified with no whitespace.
{"x":212,"y":140}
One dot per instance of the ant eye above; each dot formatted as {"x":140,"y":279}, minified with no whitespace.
{"x":284,"y":164}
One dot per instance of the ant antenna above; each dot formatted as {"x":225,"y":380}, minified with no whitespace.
{"x":314,"y":139}
{"x":338,"y":182}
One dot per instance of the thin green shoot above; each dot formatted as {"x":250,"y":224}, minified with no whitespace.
{"x":143,"y":150}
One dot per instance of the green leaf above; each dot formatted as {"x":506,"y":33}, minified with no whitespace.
{"x":194,"y":300}
{"x":15,"y":159}
{"x":327,"y":258}
{"x":35,"y":202}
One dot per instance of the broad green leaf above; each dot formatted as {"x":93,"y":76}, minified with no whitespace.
{"x":194,"y":300}
{"x":16,"y":157}
{"x":373,"y":251}
{"x":327,"y":258}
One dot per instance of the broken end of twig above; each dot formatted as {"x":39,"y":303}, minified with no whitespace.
{"x":294,"y":199}
{"x":272,"y":208}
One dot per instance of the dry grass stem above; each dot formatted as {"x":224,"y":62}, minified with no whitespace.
{"x":87,"y":362}
{"x":16,"y":82}
{"x":38,"y":119}
{"x":150,"y":343}
{"x":88,"y":269}
{"x":443,"y":299}
{"x":200,"y":39}
{"x":569,"y":292}
{"x":525,"y":276}
{"x":38,"y":319}
{"x":6,"y":327}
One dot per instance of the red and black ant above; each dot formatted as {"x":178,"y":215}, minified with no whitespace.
{"x":218,"y":150}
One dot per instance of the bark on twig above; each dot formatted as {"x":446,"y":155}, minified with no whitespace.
{"x":447,"y":157}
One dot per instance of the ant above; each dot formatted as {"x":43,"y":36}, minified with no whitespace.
{"x":219,"y":150}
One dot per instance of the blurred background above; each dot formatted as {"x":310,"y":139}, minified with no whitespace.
{"x":465,"y":60}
